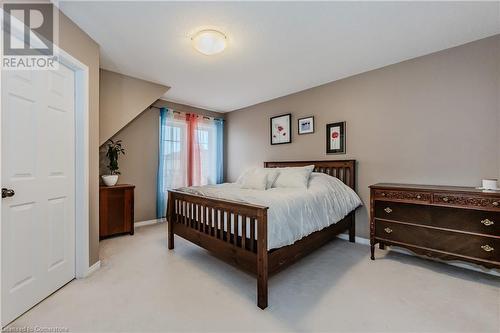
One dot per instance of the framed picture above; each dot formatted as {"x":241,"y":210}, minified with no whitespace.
{"x":335,"y":138}
{"x":281,"y":129}
{"x":306,"y":125}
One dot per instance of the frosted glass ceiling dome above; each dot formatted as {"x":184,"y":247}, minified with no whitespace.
{"x":209,"y":42}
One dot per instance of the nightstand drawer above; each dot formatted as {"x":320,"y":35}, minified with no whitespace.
{"x":486,"y":248}
{"x":403,"y":196}
{"x":467,"y":201}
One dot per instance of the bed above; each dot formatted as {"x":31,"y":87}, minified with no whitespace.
{"x":249,"y":235}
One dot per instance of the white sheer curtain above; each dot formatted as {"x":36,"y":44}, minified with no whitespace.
{"x":206,"y":148}
{"x":175,"y":153}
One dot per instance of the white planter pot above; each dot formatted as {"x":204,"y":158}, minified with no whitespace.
{"x":110,"y":180}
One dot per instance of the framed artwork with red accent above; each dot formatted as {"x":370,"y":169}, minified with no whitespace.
{"x":335,"y":138}
{"x":281,"y":131}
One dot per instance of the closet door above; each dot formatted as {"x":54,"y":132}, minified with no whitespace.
{"x":38,"y":175}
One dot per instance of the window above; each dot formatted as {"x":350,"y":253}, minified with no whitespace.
{"x":206,"y":137}
{"x":190,"y":153}
{"x":175,"y":154}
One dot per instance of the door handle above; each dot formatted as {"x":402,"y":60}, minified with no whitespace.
{"x":7,"y":193}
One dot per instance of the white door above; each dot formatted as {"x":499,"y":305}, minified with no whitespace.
{"x":38,"y":164}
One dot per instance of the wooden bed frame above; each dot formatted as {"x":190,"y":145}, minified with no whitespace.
{"x":210,"y":223}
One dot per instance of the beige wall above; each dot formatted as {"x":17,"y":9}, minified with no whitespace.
{"x":121,"y":99}
{"x":429,"y":120}
{"x":498,"y":114}
{"x":139,"y":165}
{"x":77,"y":43}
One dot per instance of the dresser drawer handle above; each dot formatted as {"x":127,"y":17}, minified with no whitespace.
{"x":445,"y":199}
{"x":388,"y":230}
{"x":382,"y":194}
{"x":487,"y":248}
{"x":487,"y":222}
{"x":388,"y":210}
{"x":495,"y":203}
{"x":419,"y":197}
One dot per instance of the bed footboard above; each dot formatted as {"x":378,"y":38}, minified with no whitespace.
{"x":234,"y":231}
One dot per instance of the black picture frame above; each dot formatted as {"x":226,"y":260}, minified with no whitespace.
{"x":299,"y":127}
{"x":341,"y":127}
{"x":286,"y":130}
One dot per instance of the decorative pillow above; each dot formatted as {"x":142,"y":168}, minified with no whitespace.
{"x":272,"y":174}
{"x":255,"y":180}
{"x":297,"y":177}
{"x":244,"y":174}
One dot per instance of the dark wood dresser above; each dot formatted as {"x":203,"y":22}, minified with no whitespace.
{"x":116,"y":210}
{"x":445,"y":222}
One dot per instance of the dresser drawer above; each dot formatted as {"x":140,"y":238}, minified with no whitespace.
{"x":403,"y":196}
{"x":467,"y":201}
{"x":470,"y":220}
{"x":404,"y":212}
{"x":477,"y":221}
{"x":486,"y":248}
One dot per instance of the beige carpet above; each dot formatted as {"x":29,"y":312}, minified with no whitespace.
{"x":144,"y":287}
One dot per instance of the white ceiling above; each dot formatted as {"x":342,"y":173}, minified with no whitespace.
{"x":274,"y":48}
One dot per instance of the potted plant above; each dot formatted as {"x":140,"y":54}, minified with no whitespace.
{"x":114,"y":149}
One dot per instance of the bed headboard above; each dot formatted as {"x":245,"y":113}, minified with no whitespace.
{"x":345,"y":170}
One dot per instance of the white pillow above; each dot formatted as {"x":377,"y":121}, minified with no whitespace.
{"x":255,"y":180}
{"x":272,"y":174}
{"x":296,"y":177}
{"x":247,"y":171}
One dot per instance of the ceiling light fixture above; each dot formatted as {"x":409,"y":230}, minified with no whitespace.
{"x":209,"y":42}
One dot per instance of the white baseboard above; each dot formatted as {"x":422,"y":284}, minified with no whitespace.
{"x":148,"y":222}
{"x":93,"y":268}
{"x":359,"y":240}
{"x":472,"y":267}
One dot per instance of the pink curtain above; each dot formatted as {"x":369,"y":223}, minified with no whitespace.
{"x":194,"y":158}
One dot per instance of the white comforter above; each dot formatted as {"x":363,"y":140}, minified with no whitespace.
{"x":293,"y":213}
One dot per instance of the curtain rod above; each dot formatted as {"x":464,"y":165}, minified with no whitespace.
{"x":179,"y":112}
